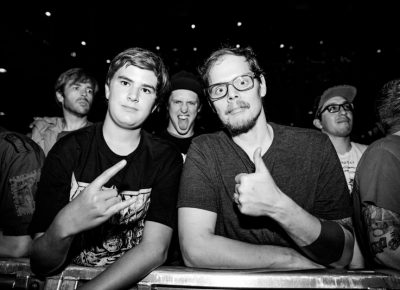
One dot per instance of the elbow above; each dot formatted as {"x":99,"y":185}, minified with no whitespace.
{"x":20,"y":249}
{"x":193,"y":256}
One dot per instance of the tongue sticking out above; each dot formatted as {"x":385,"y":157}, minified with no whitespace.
{"x":183,"y":123}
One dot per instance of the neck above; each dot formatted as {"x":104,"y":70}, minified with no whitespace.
{"x":341,"y":144}
{"x":261,"y":135}
{"x":120,"y":140}
{"x":73,"y":122}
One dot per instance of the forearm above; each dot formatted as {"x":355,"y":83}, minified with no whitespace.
{"x":15,"y":246}
{"x":325,"y":242}
{"x":52,"y":241}
{"x":218,"y":252}
{"x":130,"y":268}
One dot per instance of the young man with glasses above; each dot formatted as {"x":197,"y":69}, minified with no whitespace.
{"x":259,"y":194}
{"x":334,"y":117}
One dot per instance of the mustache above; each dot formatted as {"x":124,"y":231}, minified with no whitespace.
{"x":240,"y":104}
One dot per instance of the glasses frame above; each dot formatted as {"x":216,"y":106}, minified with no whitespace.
{"x":351,"y":109}
{"x":252,"y":76}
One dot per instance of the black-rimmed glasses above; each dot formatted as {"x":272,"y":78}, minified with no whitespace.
{"x":241,"y":83}
{"x":334,"y":108}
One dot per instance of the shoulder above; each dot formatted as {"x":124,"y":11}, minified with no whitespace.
{"x":17,"y":143}
{"x":159,"y":146}
{"x":359,"y":147}
{"x":47,"y":122}
{"x":211,"y":139}
{"x":297,"y":135}
{"x":78,"y":138}
{"x":389,"y":144}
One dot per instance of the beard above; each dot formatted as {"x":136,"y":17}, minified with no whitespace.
{"x":76,"y":109}
{"x":243,"y":126}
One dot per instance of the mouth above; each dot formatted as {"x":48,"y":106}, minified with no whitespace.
{"x":131,"y":109}
{"x":234,"y":111}
{"x":185,"y":117}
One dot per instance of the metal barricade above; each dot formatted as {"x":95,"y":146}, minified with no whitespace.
{"x":16,"y":274}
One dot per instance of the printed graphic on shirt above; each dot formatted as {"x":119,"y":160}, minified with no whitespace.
{"x":120,"y":233}
{"x":349,"y":169}
{"x":22,"y":189}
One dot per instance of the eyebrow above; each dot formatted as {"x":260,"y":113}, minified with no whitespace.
{"x":132,"y":81}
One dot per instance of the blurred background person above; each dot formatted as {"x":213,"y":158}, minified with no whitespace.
{"x":334,"y":117}
{"x":21,"y":161}
{"x":376,"y":193}
{"x":74,"y":92}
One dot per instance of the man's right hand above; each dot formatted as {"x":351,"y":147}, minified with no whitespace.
{"x":93,"y":205}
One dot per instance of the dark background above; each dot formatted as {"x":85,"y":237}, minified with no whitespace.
{"x":303,"y":46}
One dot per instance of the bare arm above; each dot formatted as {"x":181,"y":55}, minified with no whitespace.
{"x":202,"y":248}
{"x":384,"y":235}
{"x":15,"y":246}
{"x":90,"y":208}
{"x":258,"y":195}
{"x":138,"y":261}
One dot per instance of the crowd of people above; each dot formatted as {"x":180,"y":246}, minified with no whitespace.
{"x":255,"y":194}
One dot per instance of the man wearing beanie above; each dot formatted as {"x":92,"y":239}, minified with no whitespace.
{"x":334,"y":117}
{"x":183,"y":105}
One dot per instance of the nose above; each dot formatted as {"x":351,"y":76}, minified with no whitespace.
{"x":232,"y":92}
{"x":133,"y":95}
{"x":342,"y":110}
{"x":184,"y":107}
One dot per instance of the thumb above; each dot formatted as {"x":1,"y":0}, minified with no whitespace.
{"x":108,"y":174}
{"x":258,"y":162}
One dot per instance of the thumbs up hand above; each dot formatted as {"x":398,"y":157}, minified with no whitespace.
{"x":256,"y":194}
{"x":93,"y":205}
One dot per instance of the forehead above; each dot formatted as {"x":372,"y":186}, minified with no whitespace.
{"x":337,"y":100}
{"x":137,"y":74}
{"x":78,"y":82}
{"x":183,"y":95}
{"x":227,"y":68}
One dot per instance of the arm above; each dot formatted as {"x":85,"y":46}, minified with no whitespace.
{"x":258,"y":195}
{"x":202,"y":248}
{"x":90,"y":208}
{"x":138,"y":261}
{"x":384,"y":235}
{"x":14,"y":246}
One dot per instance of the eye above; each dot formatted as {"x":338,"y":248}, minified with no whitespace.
{"x":75,"y":88}
{"x":89,"y":91}
{"x":147,"y":91}
{"x":124,"y":83}
{"x":192,"y":103}
{"x":218,"y":90}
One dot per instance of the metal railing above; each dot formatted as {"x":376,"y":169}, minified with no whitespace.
{"x":16,"y":274}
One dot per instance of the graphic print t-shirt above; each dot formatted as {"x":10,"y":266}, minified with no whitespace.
{"x":151,"y":177}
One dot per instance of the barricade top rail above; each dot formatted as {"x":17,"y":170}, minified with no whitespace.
{"x":167,"y":277}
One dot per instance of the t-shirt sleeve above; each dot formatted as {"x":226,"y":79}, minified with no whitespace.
{"x":333,"y":197}
{"x":379,"y":179}
{"x":165,"y":191}
{"x":53,"y":189}
{"x":198,"y":180}
{"x":21,"y":162}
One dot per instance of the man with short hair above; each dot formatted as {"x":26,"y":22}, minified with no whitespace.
{"x":107,"y":194}
{"x":183,"y":105}
{"x":334,"y":117}
{"x":74,"y":92}
{"x":260,"y":195}
{"x":376,"y":193}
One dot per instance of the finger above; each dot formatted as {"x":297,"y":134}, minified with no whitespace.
{"x":108,"y":193}
{"x":106,"y":175}
{"x":119,"y":206}
{"x":112,"y":201}
{"x":238,"y":177}
{"x":258,"y":162}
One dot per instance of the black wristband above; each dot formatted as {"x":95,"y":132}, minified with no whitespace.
{"x":329,"y":245}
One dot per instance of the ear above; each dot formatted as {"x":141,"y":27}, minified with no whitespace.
{"x":263,"y":86}
{"x":317,"y":123}
{"x":107,"y":91}
{"x":60,"y":97}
